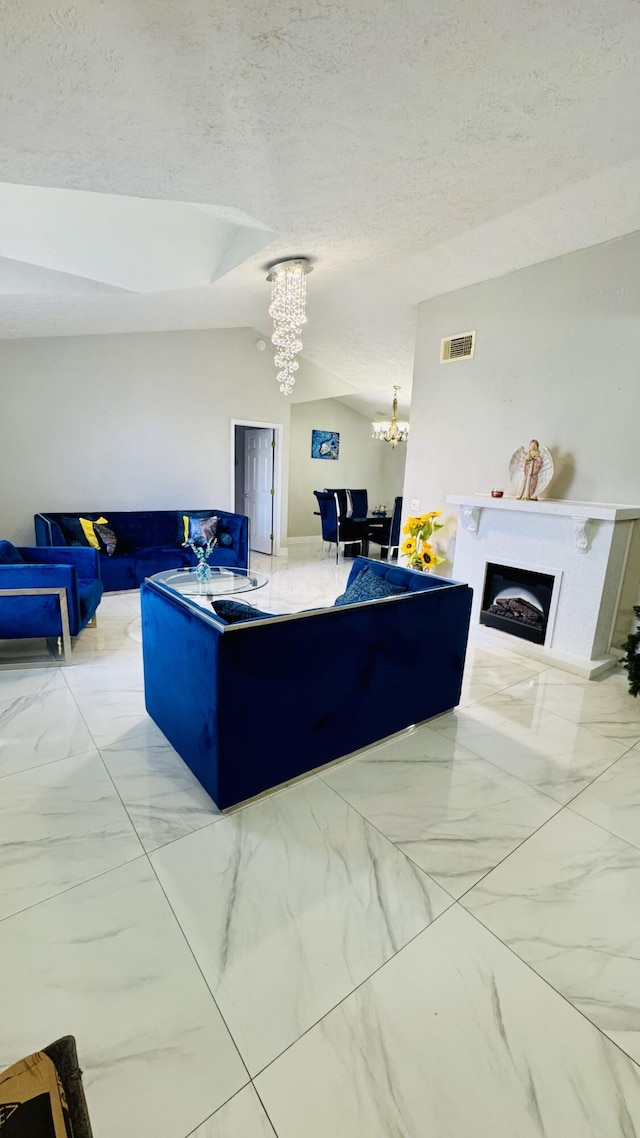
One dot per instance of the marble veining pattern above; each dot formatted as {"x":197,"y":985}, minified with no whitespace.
{"x":454,"y":1037}
{"x":613,"y":800}
{"x":303,"y":900}
{"x":567,"y":903}
{"x":301,"y":907}
{"x":555,"y":756}
{"x":41,"y":727}
{"x":450,"y":812}
{"x":61,"y":824}
{"x":108,"y":962}
{"x":163,"y":798}
{"x":603,"y":705}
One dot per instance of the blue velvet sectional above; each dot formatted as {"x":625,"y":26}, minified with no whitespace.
{"x":251,"y":705}
{"x":149,"y":541}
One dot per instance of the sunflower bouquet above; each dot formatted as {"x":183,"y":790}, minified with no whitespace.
{"x":416,"y":546}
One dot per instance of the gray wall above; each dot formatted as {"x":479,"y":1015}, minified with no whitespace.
{"x":128,"y":422}
{"x":557,"y":358}
{"x":363,"y":462}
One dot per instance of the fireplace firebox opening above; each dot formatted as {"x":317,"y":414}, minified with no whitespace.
{"x":517,"y":601}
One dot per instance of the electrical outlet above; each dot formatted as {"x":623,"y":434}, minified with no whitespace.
{"x":415,"y":503}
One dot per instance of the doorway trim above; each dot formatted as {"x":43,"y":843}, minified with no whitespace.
{"x":278,"y":434}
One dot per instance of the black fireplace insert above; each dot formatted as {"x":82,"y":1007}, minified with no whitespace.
{"x":517,"y":601}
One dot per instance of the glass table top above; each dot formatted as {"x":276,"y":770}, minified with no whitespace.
{"x":222,"y":581}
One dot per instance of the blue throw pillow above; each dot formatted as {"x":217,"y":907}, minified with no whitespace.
{"x":72,"y":530}
{"x":225,"y":538}
{"x":9,"y":554}
{"x":368,"y":586}
{"x":234,"y":611}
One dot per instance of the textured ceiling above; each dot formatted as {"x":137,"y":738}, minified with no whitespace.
{"x":408,"y":147}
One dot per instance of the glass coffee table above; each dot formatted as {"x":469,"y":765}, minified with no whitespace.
{"x":223,"y":581}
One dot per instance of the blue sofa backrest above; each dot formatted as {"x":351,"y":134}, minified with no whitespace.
{"x":352,"y":676}
{"x":144,"y":529}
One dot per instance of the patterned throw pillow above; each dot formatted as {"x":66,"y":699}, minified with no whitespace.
{"x":225,"y":538}
{"x":200,"y":530}
{"x":368,"y":586}
{"x":232,"y":612}
{"x":106,"y":537}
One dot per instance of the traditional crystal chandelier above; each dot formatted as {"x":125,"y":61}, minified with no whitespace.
{"x":393,"y":432}
{"x":287,"y":310}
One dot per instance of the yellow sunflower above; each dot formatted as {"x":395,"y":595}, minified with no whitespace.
{"x":427,"y":555}
{"x":409,"y":545}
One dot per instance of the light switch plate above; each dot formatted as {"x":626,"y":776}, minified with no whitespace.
{"x":415,"y":503}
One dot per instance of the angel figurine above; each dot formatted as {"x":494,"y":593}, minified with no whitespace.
{"x":530,"y":471}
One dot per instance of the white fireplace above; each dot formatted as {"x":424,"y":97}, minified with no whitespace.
{"x":582,"y":546}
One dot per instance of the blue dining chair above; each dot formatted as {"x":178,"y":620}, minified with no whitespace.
{"x":359,"y":503}
{"x":342,"y":500}
{"x":336,"y":529}
{"x":388,"y":540}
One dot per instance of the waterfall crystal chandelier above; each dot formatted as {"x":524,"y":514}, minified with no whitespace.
{"x":392,"y":431}
{"x":287,"y":310}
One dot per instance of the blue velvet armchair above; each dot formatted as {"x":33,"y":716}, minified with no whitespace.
{"x":50,"y":592}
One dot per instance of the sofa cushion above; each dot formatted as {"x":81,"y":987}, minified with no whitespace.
{"x":368,"y":586}
{"x":200,"y":531}
{"x":72,"y":530}
{"x":89,"y":532}
{"x":232,"y":612}
{"x":106,"y":537}
{"x":9,"y":555}
{"x":225,"y":539}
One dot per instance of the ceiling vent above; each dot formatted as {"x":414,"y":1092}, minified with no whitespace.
{"x":460,"y":347}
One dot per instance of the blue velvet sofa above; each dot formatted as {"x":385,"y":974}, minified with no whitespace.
{"x":149,"y":541}
{"x":69,"y":587}
{"x":251,"y":705}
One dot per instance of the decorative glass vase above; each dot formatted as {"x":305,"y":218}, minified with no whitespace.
{"x":203,"y":575}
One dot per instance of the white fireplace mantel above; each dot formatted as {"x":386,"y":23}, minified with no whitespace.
{"x":583,"y":545}
{"x":599,"y":511}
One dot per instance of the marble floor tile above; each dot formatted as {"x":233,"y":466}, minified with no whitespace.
{"x":242,"y":1117}
{"x":603,"y":705}
{"x":556,"y":757}
{"x":454,"y":1038}
{"x":41,"y":727}
{"x":113,"y":711}
{"x":163,"y":798}
{"x":487,"y":673}
{"x":108,"y":673}
{"x":61,"y":824}
{"x":453,"y":814}
{"x":301,"y":900}
{"x":613,"y":800}
{"x":107,"y":962}
{"x":30,"y":682}
{"x":568,"y":902}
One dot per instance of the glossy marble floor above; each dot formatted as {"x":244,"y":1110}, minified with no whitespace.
{"x":438,"y":938}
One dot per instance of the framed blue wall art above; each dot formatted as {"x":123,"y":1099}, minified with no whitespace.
{"x":325,"y":444}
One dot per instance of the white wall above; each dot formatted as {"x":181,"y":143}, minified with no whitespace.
{"x":127,"y":422}
{"x":363,"y":462}
{"x":557,"y":358}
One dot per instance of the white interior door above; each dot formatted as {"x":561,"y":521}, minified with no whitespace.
{"x":258,"y":486}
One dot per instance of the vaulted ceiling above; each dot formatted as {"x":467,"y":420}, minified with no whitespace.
{"x":407,"y":147}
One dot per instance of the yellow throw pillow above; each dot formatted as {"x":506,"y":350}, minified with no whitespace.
{"x":89,"y":532}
